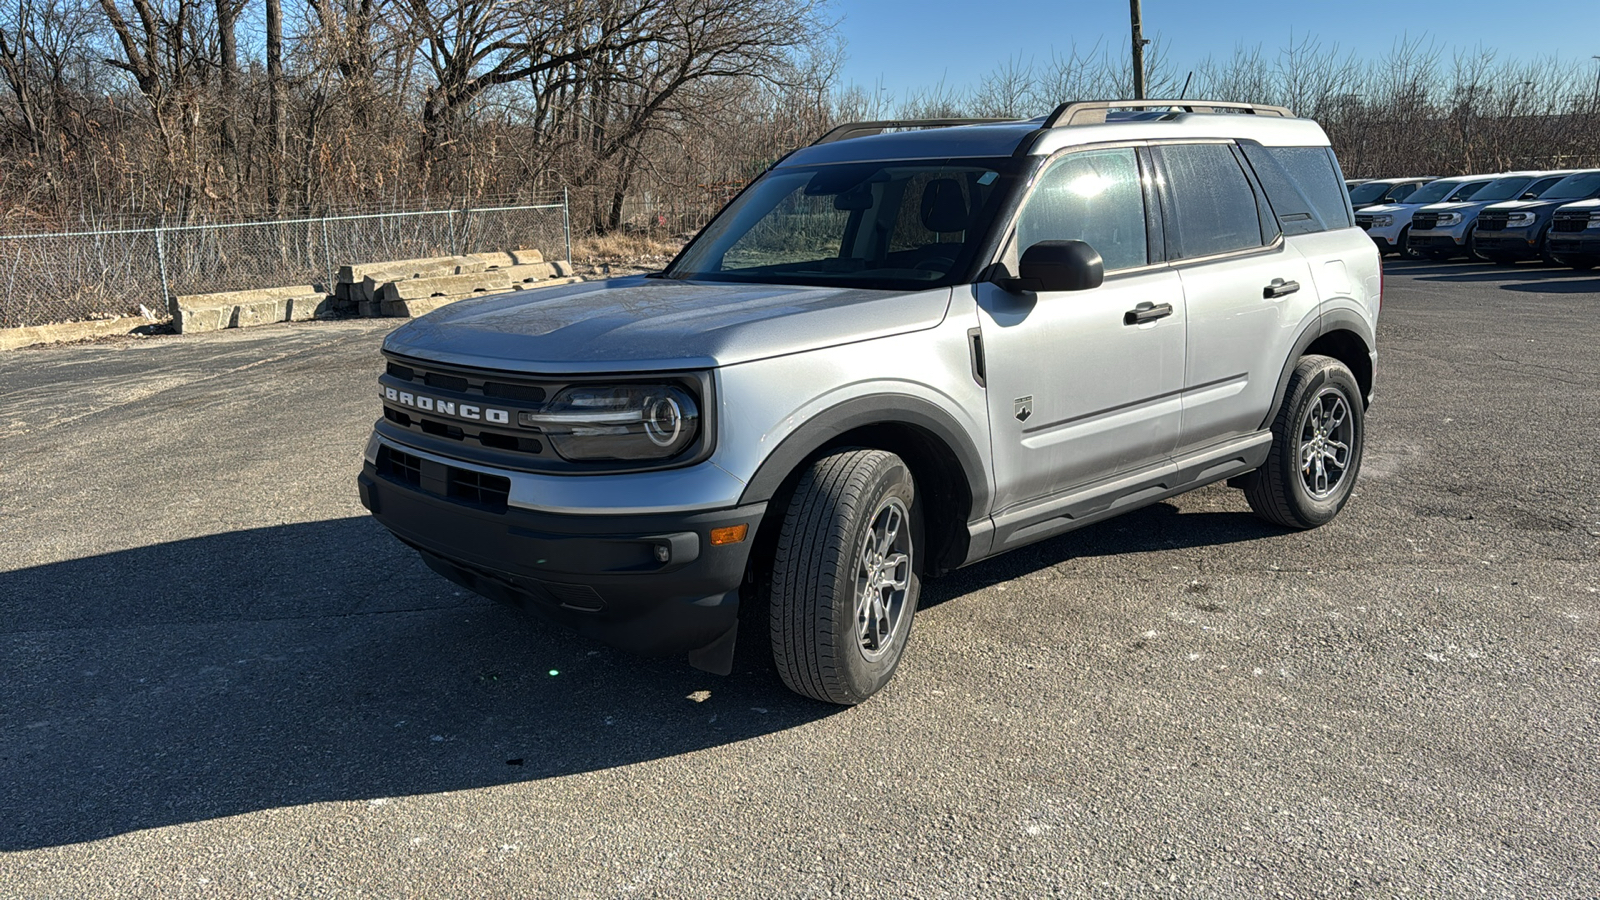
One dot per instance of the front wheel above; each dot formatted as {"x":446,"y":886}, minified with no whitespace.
{"x":1404,"y":244}
{"x":1316,"y":447}
{"x":844,"y":583}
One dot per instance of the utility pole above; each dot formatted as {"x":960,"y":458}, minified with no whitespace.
{"x":1138,"y":49}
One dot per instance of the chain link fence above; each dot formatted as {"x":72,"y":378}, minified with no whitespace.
{"x":66,"y":276}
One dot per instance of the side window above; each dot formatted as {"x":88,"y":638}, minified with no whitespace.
{"x":1093,"y":196}
{"x":1209,"y":204}
{"x":1309,"y":183}
{"x":1400,"y":192}
{"x":1540,"y":186}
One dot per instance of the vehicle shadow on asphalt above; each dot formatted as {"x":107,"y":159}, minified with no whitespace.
{"x":1151,"y":529}
{"x":1529,"y":278}
{"x":277,"y":667}
{"x":314,"y":662}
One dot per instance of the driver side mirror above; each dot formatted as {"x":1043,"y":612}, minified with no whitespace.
{"x":1057,"y":266}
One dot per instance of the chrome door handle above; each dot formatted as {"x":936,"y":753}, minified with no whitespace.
{"x":1279,"y":288}
{"x":1146,"y":312}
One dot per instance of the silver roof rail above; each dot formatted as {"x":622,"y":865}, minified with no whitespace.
{"x":1093,"y":112}
{"x":863,"y":129}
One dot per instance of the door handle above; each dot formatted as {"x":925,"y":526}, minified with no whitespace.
{"x":1146,"y":312}
{"x":1279,"y":288}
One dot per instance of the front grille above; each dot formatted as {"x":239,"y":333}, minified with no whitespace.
{"x":449,"y":390}
{"x":1493,"y":221}
{"x":1363,"y":222}
{"x":1424,"y":221}
{"x":1570,"y":223}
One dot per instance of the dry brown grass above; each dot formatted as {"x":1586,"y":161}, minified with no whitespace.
{"x":618,"y":247}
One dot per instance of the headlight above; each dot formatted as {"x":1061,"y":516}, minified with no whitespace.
{"x":1450,"y":218}
{"x":1594,"y":220}
{"x":1382,"y":221}
{"x":1521,"y":218}
{"x":624,"y":421}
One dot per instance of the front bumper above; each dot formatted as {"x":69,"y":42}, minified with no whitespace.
{"x":1575,"y":244}
{"x":651,"y":584}
{"x":1510,"y":243}
{"x":1439,"y":240}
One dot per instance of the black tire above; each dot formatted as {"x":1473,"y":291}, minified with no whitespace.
{"x":1472,"y":244}
{"x":820,"y":645}
{"x":1278,"y":491}
{"x":1404,"y":244}
{"x":1544,"y":249}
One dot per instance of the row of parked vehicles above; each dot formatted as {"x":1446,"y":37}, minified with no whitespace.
{"x":1504,"y":218}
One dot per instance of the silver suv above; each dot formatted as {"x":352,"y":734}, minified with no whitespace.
{"x":902,"y":350}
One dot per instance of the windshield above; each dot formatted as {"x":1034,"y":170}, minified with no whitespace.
{"x":1504,"y":189}
{"x":892,"y":225}
{"x":1581,"y":186}
{"x":1433,"y":192}
{"x":1367,"y":193}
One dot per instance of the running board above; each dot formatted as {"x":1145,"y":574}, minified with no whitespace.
{"x":1113,"y":496}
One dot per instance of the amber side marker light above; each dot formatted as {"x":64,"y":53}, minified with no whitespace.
{"x":733,"y":534}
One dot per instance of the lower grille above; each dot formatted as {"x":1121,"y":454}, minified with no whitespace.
{"x":1569,"y":224}
{"x":480,"y":489}
{"x":402,"y":467}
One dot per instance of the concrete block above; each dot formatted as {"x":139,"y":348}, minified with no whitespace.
{"x":502,"y":259}
{"x":444,"y":286}
{"x":529,"y":272}
{"x":369,"y":309}
{"x":341,"y":290}
{"x":425,"y":267}
{"x":562,"y":268}
{"x":195,"y":321}
{"x":548,"y":282}
{"x":311,"y":306}
{"x":29,"y":335}
{"x":261,"y":312}
{"x":235,"y":298}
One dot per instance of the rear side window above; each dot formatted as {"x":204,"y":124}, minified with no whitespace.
{"x":1093,"y":196}
{"x":1400,"y":192}
{"x":1303,"y":185}
{"x":1207,"y":200}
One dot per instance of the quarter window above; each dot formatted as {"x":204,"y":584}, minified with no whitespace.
{"x":1209,"y":204}
{"x":1094,"y":196}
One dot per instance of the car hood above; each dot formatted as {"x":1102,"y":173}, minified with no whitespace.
{"x":1389,"y":208}
{"x":1515,"y":205}
{"x":651,"y":324}
{"x":1452,"y":206}
{"x":1576,"y":205}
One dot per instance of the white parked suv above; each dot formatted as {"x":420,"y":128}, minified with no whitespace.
{"x":1389,"y":224}
{"x":900,"y":351}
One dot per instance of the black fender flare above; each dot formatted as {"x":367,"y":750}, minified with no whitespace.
{"x":859,"y":412}
{"x":1325,"y":323}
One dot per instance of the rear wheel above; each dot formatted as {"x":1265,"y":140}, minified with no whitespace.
{"x":844,"y":584}
{"x":1316,"y":447}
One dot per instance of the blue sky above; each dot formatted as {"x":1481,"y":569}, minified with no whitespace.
{"x":911,"y":46}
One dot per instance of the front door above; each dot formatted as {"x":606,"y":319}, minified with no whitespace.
{"x":1083,"y":385}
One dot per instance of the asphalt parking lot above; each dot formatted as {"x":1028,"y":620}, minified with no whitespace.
{"x":220,"y":678}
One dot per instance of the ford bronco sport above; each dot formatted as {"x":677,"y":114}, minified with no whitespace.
{"x":904,"y":349}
